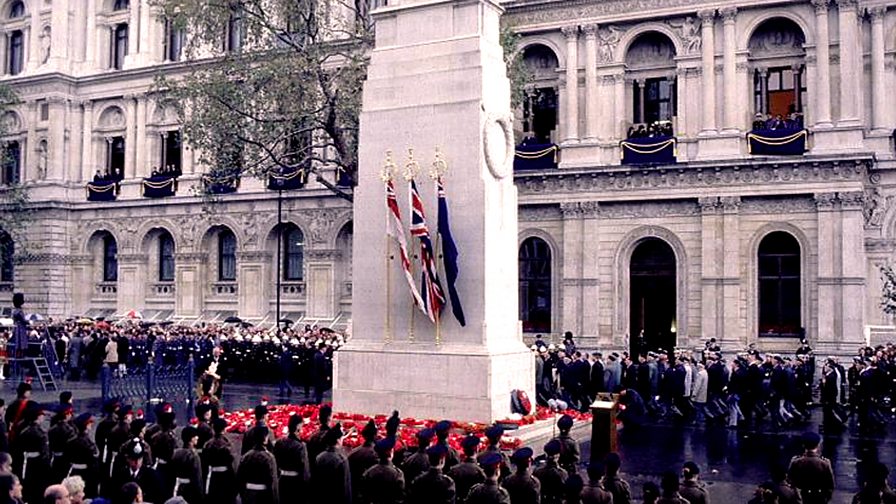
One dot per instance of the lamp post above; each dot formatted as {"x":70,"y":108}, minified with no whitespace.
{"x":279,"y":251}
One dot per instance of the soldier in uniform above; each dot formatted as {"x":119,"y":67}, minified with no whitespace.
{"x":257,"y":474}
{"x":135,"y":471}
{"x":103,"y":429}
{"x":551,"y":476}
{"x":433,"y":487}
{"x":203,"y":425}
{"x":332,"y":480}
{"x":811,"y":473}
{"x":493,"y":434}
{"x":594,"y":492}
{"x":417,"y":463}
{"x":187,"y":468}
{"x":138,"y":431}
{"x":83,"y":456}
{"x":59,"y":435}
{"x":489,"y":492}
{"x":292,"y":461}
{"x":261,"y":419}
{"x":622,"y":492}
{"x":468,"y":473}
{"x":316,"y":441}
{"x":443,"y":429}
{"x":163,"y":443}
{"x":118,"y":436}
{"x":217,"y":461}
{"x":569,"y":447}
{"x":691,"y":487}
{"x":383,"y":483}
{"x":875,"y":489}
{"x":522,"y":487}
{"x":363,"y":457}
{"x":33,"y":447}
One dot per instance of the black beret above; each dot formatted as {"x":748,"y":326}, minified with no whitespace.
{"x":565,"y":422}
{"x":552,"y":447}
{"x":524,"y":453}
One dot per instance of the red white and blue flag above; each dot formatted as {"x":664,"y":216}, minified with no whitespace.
{"x":449,"y":255}
{"x":431,"y":290}
{"x":396,"y":231}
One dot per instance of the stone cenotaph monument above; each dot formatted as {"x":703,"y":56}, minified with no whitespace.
{"x":436,"y":81}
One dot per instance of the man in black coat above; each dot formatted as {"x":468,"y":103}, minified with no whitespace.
{"x":217,"y":462}
{"x":83,"y":456}
{"x":261,"y":422}
{"x":320,"y":372}
{"x":257,"y":474}
{"x":467,"y":474}
{"x":522,"y":487}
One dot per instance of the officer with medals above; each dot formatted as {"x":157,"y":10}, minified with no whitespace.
{"x":433,"y":487}
{"x":489,"y":492}
{"x":467,"y":474}
{"x":83,"y":456}
{"x":383,"y":483}
{"x":551,"y":476}
{"x":217,"y":461}
{"x":522,"y":487}
{"x":811,"y":473}
{"x":292,"y":462}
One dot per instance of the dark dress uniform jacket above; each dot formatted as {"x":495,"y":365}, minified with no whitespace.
{"x":331,"y":481}
{"x":187,"y":470}
{"x":163,"y":444}
{"x":147,"y":478}
{"x":694,"y":492}
{"x":101,"y":436}
{"x":523,"y":488}
{"x":257,"y":476}
{"x":220,"y":480}
{"x":33,"y":447}
{"x":360,"y":460}
{"x":594,"y":494}
{"x":249,"y":436}
{"x":488,"y":493}
{"x":118,"y":436}
{"x":59,"y":435}
{"x":622,"y":492}
{"x":84,"y":459}
{"x":433,"y":487}
{"x":292,"y":462}
{"x":466,"y":475}
{"x":812,"y":475}
{"x":316,"y":446}
{"x":382,"y":484}
{"x":787,"y":494}
{"x":414,"y":465}
{"x":553,"y":480}
{"x":206,"y":433}
{"x":569,"y":453}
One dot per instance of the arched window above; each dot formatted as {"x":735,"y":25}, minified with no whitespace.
{"x":293,"y":253}
{"x":16,"y":10}
{"x":110,"y":259}
{"x":119,"y":46}
{"x":174,"y":41}
{"x":12,"y":164}
{"x":779,"y":285}
{"x":778,"y":59}
{"x":166,"y":257}
{"x":650,"y":61}
{"x":226,"y":256}
{"x":539,"y":114}
{"x":535,"y":285}
{"x":15,"y":57}
{"x":7,"y":253}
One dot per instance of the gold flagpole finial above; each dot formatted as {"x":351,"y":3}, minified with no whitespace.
{"x":389,"y":168}
{"x":412,"y":168}
{"x":439,"y":166}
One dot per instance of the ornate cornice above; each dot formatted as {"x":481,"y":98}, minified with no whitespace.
{"x":728,"y":14}
{"x":777,"y":206}
{"x":570,"y":32}
{"x":853,"y":200}
{"x":520,"y":13}
{"x":821,"y":6}
{"x":254,"y":256}
{"x":539,"y":213}
{"x":323,"y":254}
{"x":590,"y":30}
{"x":649,"y":209}
{"x":132,"y":258}
{"x":191,"y":256}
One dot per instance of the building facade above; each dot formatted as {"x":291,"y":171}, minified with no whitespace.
{"x":721,"y":242}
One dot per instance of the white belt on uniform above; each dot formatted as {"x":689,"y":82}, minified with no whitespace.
{"x":112,"y":463}
{"x":256,"y":487}
{"x":160,"y":462}
{"x":291,"y":474}
{"x":55,"y":455}
{"x":208,"y":479}
{"x":27,"y":455}
{"x":178,"y":482}
{"x":77,"y":467}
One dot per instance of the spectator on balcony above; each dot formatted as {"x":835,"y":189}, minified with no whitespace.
{"x":758,"y":122}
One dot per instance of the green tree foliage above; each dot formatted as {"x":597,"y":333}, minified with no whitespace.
{"x":888,"y":294}
{"x":519,"y":75}
{"x":272,"y":84}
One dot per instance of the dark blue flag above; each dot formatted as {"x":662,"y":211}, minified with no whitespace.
{"x":449,"y":255}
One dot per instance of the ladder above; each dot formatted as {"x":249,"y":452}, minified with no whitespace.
{"x":44,"y":374}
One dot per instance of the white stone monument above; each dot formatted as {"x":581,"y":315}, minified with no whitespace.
{"x":436,"y":80}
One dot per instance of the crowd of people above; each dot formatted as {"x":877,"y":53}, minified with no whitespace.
{"x":777,"y":122}
{"x":656,"y":129}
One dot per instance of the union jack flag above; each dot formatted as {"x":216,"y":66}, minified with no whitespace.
{"x":396,"y":231}
{"x":431,"y":290}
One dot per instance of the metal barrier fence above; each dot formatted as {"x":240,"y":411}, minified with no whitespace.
{"x":151,"y":385}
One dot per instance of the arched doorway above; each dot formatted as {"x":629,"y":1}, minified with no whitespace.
{"x":653,"y":296}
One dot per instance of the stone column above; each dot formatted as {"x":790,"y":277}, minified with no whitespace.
{"x":733,"y":329}
{"x":60,"y":38}
{"x":190,"y":292}
{"x":822,"y":66}
{"x":56,"y":141}
{"x":571,"y":132}
{"x":851,"y":64}
{"x":31,"y":157}
{"x":730,"y":68}
{"x":88,"y":162}
{"x":606,"y":106}
{"x":91,"y":60}
{"x":852,"y":269}
{"x":827,"y":291}
{"x":146,"y":32}
{"x":878,"y":73}
{"x":134,"y":28}
{"x":712,"y":258}
{"x":682,"y":78}
{"x":571,"y":271}
{"x":142,"y":152}
{"x":620,"y":117}
{"x":131,"y":282}
{"x":592,"y":111}
{"x":763,"y":90}
{"x":253,"y":278}
{"x":707,"y":18}
{"x":33,"y":47}
{"x":130,"y":140}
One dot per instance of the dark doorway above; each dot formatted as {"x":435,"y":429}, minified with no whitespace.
{"x":653,"y":297}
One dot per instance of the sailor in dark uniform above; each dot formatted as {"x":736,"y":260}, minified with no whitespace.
{"x":383,"y":483}
{"x":217,"y":462}
{"x":187,"y":468}
{"x":363,"y":457}
{"x":467,"y":473}
{"x":433,"y":487}
{"x":417,"y":463}
{"x":489,"y":492}
{"x":569,"y":447}
{"x":257,"y":474}
{"x":33,"y":447}
{"x":331,"y":480}
{"x":62,"y":431}
{"x":316,"y":441}
{"x":443,"y":429}
{"x":811,"y":473}
{"x":133,"y":470}
{"x":292,"y":462}
{"x":163,"y":443}
{"x":83,"y":456}
{"x":493,"y":434}
{"x":551,"y":476}
{"x":261,"y":422}
{"x":522,"y":487}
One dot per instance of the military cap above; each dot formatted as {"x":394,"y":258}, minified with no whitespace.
{"x":218,"y":424}
{"x":552,"y":447}
{"x":65,"y":396}
{"x":138,"y":425}
{"x":471,"y":441}
{"x":83,"y":420}
{"x":443,"y":426}
{"x":425,"y":434}
{"x":325,"y":412}
{"x":690,"y":467}
{"x":490,"y":459}
{"x":565,"y":422}
{"x":521,"y":455}
{"x":260,"y":411}
{"x":810,"y":439}
{"x":384,"y":445}
{"x":202,"y":409}
{"x":110,"y":406}
{"x":494,"y":432}
{"x":22,"y":388}
{"x":369,"y":430}
{"x":188,"y":433}
{"x":392,"y":424}
{"x":125,"y":410}
{"x":437,"y":450}
{"x":133,"y":449}
{"x":333,"y":434}
{"x":574,"y":484}
{"x":294,"y":422}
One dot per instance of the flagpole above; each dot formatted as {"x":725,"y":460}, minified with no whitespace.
{"x":411,"y":169}
{"x":386,"y":175}
{"x":439,"y":168}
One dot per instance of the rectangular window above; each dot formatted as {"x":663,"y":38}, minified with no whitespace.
{"x":7,"y":256}
{"x":172,"y":153}
{"x":658,"y":104}
{"x":174,"y":42}
{"x":226,"y":257}
{"x":119,"y":46}
{"x":115,"y":158}
{"x":44,"y":111}
{"x":12,"y":164}
{"x":16,"y":57}
{"x":110,"y":260}
{"x":166,"y":258}
{"x":233,"y":36}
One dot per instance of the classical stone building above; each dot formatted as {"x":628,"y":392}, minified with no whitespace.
{"x":722,"y":241}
